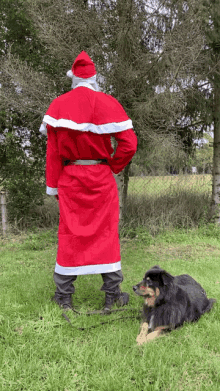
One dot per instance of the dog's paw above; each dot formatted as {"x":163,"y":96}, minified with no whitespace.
{"x":153,"y":335}
{"x":141,"y":339}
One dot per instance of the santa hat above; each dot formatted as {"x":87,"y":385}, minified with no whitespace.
{"x":83,"y":67}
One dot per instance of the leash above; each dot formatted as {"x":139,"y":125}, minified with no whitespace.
{"x":104,"y":312}
{"x":101,"y":312}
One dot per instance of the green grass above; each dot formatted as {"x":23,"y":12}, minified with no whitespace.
{"x":41,"y":351}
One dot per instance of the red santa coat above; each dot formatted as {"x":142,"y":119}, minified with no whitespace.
{"x":80,"y":124}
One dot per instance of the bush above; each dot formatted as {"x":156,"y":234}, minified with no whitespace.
{"x":24,"y":195}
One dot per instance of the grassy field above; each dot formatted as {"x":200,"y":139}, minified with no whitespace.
{"x":41,"y":351}
{"x":150,"y":185}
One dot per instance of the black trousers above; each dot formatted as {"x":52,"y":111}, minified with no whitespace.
{"x":111,"y":282}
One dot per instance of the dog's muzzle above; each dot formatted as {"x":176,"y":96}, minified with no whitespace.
{"x":136,"y":290}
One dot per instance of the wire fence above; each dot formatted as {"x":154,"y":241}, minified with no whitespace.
{"x":145,"y":192}
{"x":163,"y":184}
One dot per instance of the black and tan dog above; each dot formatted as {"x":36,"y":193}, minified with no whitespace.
{"x":169,"y":301}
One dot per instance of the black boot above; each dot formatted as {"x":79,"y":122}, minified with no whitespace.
{"x":121,"y":299}
{"x":64,"y":301}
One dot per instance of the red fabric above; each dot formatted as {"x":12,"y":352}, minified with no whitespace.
{"x":88,"y":195}
{"x":83,"y":66}
{"x":83,"y":105}
{"x":89,"y":215}
{"x":64,"y":144}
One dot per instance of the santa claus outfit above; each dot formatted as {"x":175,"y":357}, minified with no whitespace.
{"x":79,"y":166}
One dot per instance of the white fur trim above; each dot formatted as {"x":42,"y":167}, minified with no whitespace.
{"x":84,"y":84}
{"x":88,"y":82}
{"x":43,"y":128}
{"x":113,"y":127}
{"x":51,"y":191}
{"x":88,"y":269}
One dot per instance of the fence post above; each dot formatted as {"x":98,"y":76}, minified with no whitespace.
{"x":3,"y":210}
{"x":119,"y":180}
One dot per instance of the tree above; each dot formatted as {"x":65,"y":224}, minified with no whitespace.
{"x":21,"y":172}
{"x":198,"y":25}
{"x":30,"y":79}
{"x":151,"y":56}
{"x":213,"y":38}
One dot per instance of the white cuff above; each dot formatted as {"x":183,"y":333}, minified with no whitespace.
{"x":43,"y":128}
{"x":51,"y":191}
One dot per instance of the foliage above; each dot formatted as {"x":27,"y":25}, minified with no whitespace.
{"x":203,"y":158}
{"x":22,"y":178}
{"x":138,"y":54}
{"x":163,"y":154}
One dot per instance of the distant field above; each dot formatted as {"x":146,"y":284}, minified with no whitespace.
{"x":150,"y":185}
{"x":153,"y":185}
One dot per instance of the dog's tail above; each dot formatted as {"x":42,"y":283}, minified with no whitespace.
{"x":210,"y":305}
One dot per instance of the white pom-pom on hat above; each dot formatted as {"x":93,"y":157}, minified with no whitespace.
{"x":69,"y":73}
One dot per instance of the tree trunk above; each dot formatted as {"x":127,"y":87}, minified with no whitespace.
{"x":216,"y":154}
{"x":125,"y":187}
{"x":120,"y":182}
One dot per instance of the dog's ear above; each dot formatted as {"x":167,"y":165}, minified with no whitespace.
{"x":166,"y":277}
{"x":156,"y":267}
{"x":160,"y":275}
{"x":155,"y":270}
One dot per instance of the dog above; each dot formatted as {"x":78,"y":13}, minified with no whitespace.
{"x":169,"y":301}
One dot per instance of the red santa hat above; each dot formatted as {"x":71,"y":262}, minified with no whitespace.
{"x":83,"y":67}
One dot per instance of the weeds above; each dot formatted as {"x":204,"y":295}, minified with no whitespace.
{"x":179,"y":209}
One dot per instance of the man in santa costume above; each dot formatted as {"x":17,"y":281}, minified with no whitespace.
{"x":79,"y":172}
